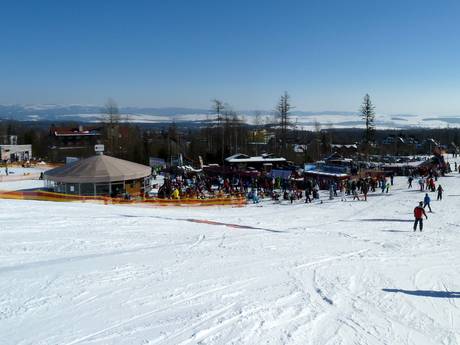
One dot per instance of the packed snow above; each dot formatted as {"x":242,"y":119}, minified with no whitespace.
{"x":322,"y":273}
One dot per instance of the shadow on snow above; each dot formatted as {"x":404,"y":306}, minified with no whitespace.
{"x":426,"y":293}
{"x":385,"y":220}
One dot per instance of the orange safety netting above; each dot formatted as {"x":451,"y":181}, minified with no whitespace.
{"x":51,"y":196}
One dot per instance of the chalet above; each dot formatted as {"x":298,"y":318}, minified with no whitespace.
{"x":428,"y":146}
{"x":398,"y":145}
{"x":263,"y":161}
{"x":346,"y":150}
{"x":75,"y":141}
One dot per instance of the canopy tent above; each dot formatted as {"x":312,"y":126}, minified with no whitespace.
{"x":97,"y":169}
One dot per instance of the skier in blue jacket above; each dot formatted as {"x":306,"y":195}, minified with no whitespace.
{"x":426,"y":202}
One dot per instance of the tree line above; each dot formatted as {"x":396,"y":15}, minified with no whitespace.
{"x":224,"y":132}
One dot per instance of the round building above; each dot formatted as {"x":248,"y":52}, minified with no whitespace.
{"x":100,"y":175}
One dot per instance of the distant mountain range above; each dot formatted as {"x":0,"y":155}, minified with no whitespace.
{"x":302,"y":119}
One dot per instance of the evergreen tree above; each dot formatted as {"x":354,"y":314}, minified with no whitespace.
{"x":283,"y":113}
{"x":368,"y":115}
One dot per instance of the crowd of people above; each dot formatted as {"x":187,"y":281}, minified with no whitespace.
{"x":294,"y":187}
{"x":299,"y":188}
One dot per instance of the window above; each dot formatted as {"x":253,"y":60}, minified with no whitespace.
{"x":86,"y":189}
{"x":103,"y":189}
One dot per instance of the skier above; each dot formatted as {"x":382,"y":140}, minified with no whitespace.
{"x":426,"y":202}
{"x":409,"y":180}
{"x":419,"y":212}
{"x":387,"y":187}
{"x":440,"y":190}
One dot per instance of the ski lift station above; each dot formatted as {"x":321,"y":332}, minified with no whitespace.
{"x":100,"y":175}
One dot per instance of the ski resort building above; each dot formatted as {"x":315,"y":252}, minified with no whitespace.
{"x":15,"y":153}
{"x":261,"y":162}
{"x":100,"y":175}
{"x":77,"y":141}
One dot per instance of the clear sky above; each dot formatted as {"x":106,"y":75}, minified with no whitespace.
{"x":327,"y":53}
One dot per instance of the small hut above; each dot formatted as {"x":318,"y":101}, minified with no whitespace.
{"x":100,"y":175}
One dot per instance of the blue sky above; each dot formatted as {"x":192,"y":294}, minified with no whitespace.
{"x":326,"y":54}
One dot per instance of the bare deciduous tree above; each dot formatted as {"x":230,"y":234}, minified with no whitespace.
{"x":111,"y":119}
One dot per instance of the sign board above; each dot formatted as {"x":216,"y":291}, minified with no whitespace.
{"x":157,"y":162}
{"x":99,"y":148}
{"x":284,"y":174}
{"x":308,"y":167}
{"x":69,"y":160}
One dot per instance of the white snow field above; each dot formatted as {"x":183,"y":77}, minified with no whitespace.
{"x":330,"y":273}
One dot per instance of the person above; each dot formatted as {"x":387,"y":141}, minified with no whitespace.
{"x":355,"y":194}
{"x":175,"y":193}
{"x":365,"y":190}
{"x":426,"y":202}
{"x":343,"y":196}
{"x":388,"y":187}
{"x":255,"y":197}
{"x":421,"y":183}
{"x":316,"y":191}
{"x":307,"y":195}
{"x":440,"y":190}
{"x":419,"y":212}
{"x":291,"y":196}
{"x":410,"y":179}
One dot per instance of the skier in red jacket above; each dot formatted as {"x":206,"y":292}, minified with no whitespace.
{"x":419,"y":212}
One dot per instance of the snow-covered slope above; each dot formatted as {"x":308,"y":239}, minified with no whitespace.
{"x":330,"y":273}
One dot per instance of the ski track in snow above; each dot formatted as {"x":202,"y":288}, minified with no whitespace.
{"x":331,"y":273}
